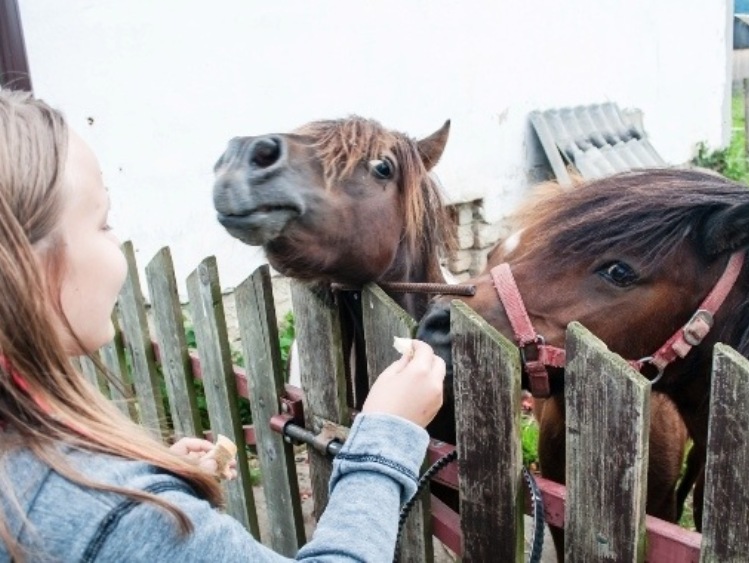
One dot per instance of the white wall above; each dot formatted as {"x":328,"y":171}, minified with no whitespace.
{"x":158,"y":87}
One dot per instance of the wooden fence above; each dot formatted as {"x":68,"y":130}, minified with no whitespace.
{"x":602,"y":508}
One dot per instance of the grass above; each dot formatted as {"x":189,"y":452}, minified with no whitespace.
{"x":732,"y":160}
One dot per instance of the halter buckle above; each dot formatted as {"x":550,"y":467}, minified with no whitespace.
{"x":534,"y":345}
{"x":697,"y":327}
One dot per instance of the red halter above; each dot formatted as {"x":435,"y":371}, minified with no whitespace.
{"x":542,"y":355}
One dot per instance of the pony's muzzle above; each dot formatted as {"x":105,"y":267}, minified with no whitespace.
{"x":434,"y":329}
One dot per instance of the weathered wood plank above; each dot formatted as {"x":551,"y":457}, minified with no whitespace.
{"x":487,"y":402}
{"x":94,"y":376}
{"x":318,"y":334}
{"x":725,"y":533}
{"x":383,"y":319}
{"x":138,"y":341}
{"x":120,"y":383}
{"x":260,"y":346}
{"x":173,"y":352}
{"x":608,"y":420}
{"x":203,"y":288}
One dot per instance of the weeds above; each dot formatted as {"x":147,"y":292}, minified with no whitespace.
{"x":731,"y":161}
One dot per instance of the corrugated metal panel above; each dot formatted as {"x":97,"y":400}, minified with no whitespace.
{"x":597,"y":140}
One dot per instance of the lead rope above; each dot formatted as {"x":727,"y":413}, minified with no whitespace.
{"x":536,"y":500}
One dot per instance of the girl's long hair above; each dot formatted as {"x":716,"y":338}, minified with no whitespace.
{"x":44,"y":402}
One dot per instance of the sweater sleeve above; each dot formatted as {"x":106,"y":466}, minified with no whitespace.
{"x":374,"y":472}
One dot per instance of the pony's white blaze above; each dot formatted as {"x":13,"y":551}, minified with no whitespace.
{"x":512,"y":241}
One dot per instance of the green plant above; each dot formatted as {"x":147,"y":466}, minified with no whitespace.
{"x":286,"y":336}
{"x":732,"y":160}
{"x":529,"y":440}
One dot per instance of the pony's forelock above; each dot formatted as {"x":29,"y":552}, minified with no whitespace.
{"x":341,"y":145}
{"x":648,"y":213}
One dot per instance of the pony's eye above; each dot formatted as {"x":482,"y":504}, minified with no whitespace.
{"x":382,"y":168}
{"x":618,"y":273}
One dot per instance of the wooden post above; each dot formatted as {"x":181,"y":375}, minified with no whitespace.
{"x":121,"y":389}
{"x":93,"y":375}
{"x":318,"y":333}
{"x":725,"y":534}
{"x":259,"y":332}
{"x":173,"y":353}
{"x":383,"y":319}
{"x":487,"y":406}
{"x":203,"y":288}
{"x":608,"y":420}
{"x":138,"y":339}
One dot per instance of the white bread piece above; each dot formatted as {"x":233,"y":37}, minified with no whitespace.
{"x":224,"y":450}
{"x":404,"y":346}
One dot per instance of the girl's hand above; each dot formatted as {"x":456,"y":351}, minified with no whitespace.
{"x":200,"y":451}
{"x":410,"y":388}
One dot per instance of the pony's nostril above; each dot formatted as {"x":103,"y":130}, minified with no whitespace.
{"x":265,"y":152}
{"x":435,"y":325}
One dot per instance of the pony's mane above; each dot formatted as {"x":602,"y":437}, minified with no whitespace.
{"x":646,"y":212}
{"x":341,"y":145}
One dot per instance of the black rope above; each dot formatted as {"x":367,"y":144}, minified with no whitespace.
{"x":420,"y":486}
{"x":536,"y":500}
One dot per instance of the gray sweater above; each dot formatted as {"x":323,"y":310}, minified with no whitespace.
{"x":374,"y":473}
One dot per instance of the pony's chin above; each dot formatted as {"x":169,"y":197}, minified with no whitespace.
{"x":260,"y":227}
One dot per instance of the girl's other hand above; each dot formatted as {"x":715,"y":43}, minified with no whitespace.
{"x":410,"y":388}
{"x":199,"y":450}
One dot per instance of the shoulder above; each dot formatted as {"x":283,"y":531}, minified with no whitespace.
{"x":70,"y":522}
{"x":65,"y":519}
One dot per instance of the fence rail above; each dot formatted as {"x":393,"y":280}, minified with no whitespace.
{"x":602,"y":509}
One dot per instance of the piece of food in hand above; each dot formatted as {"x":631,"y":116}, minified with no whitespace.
{"x":404,"y":346}
{"x":223,"y":451}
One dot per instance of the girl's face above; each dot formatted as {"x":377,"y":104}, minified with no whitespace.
{"x":94,"y":267}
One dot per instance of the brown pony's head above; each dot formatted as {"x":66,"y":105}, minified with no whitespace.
{"x":346,"y":201}
{"x":630,"y":257}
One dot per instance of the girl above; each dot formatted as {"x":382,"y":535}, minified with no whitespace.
{"x":81,"y":482}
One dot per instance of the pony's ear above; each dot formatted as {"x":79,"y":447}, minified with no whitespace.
{"x":431,"y":147}
{"x":726,"y":230}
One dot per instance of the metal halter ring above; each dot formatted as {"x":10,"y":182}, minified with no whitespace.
{"x":649,"y":360}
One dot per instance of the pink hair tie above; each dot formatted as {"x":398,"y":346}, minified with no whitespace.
{"x":24,"y":386}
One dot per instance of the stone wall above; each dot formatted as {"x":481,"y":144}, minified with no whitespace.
{"x":475,"y":238}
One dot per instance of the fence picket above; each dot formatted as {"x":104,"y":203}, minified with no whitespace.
{"x":487,"y":406}
{"x":606,"y":460}
{"x":384,"y":318}
{"x":259,"y":332}
{"x":94,"y":376}
{"x":173,"y":353}
{"x":321,"y":361}
{"x":220,"y":385}
{"x":725,"y":534}
{"x":138,"y":340}
{"x":121,"y":389}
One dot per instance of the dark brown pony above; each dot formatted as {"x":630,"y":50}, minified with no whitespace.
{"x":345,"y":201}
{"x":630,"y":257}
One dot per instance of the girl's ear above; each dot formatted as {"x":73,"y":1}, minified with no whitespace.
{"x":432,"y":147}
{"x":726,"y":230}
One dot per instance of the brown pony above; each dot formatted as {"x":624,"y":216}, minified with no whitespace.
{"x":344,"y":201}
{"x":631,"y":257}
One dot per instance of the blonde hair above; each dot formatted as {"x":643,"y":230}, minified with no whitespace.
{"x":44,"y":401}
